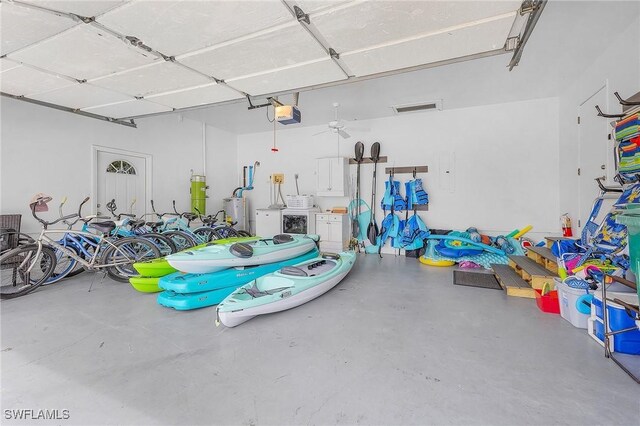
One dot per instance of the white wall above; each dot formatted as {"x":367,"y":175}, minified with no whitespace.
{"x":45,"y":150}
{"x":222,"y":159}
{"x":506,"y":162}
{"x":617,"y":67}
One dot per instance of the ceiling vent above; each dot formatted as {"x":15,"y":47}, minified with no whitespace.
{"x":418,"y":107}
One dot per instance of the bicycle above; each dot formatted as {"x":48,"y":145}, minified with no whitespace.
{"x":217,"y":232}
{"x":27,"y":267}
{"x":176,"y":229}
{"x":136,"y":226}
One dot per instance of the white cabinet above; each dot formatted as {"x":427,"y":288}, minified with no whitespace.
{"x":333,"y":230}
{"x":333,"y":177}
{"x":268,"y":222}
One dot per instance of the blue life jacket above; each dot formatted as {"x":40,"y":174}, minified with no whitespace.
{"x":414,"y":233}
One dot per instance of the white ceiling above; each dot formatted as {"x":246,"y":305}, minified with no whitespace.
{"x":198,"y":52}
{"x":562,"y":46}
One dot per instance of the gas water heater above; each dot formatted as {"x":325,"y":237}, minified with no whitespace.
{"x":198,"y":194}
{"x":236,"y":210}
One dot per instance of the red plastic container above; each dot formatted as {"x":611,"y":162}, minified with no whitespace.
{"x":549,"y":302}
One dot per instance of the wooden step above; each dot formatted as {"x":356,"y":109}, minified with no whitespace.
{"x":551,"y":240}
{"x":531,"y":272}
{"x":543,"y":256}
{"x":511,"y":282}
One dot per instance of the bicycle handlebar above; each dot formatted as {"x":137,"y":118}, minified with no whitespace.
{"x":47,"y":223}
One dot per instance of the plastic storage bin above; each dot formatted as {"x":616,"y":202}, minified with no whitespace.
{"x":618,"y":318}
{"x":549,"y":302}
{"x":567,"y":298}
{"x":631,"y":219}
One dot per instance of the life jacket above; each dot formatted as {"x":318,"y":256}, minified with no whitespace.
{"x":414,"y":233}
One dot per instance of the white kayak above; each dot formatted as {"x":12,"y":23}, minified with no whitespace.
{"x":216,"y":257}
{"x":285,"y":289}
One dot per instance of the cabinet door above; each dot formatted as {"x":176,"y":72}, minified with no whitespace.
{"x":335,"y":232}
{"x":324,"y":175}
{"x":322,"y":229}
{"x":337,"y":175}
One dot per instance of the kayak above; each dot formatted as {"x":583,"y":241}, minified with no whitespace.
{"x":160,"y":267}
{"x":145,"y":284}
{"x":180,"y":282}
{"x":192,"y":291}
{"x":214,"y":258}
{"x":285,"y":289}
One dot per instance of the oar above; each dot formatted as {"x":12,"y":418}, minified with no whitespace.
{"x":355,"y":225}
{"x":372,"y":230}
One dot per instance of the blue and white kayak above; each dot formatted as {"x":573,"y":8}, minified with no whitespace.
{"x":192,"y":291}
{"x":215,"y":258}
{"x":285,"y":289}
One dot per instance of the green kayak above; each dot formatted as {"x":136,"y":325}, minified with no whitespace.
{"x":145,"y":284}
{"x":157,"y":268}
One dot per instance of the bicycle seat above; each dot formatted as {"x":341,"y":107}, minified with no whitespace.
{"x":190,"y":216}
{"x":137,"y":223}
{"x":104,"y":227}
{"x":208,"y":220}
{"x":154,"y":224}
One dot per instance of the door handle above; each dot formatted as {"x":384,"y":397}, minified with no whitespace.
{"x":603,"y":167}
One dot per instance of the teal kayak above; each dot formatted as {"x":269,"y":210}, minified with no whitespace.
{"x":192,"y":291}
{"x":215,"y":258}
{"x":285,"y":289}
{"x":160,"y":267}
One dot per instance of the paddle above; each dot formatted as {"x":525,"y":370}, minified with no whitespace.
{"x":355,"y":225}
{"x":372,"y":230}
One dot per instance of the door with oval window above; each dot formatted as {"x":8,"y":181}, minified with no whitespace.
{"x":122,"y":178}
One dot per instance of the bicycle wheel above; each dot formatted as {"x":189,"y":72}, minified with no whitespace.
{"x":15,"y":277}
{"x":64,"y":266}
{"x":225,"y":231}
{"x":181,"y":239}
{"x":244,"y":234}
{"x":124,"y":253}
{"x":206,"y":233}
{"x":164,"y":243}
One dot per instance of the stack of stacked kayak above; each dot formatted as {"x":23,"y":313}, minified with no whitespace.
{"x":151,"y":271}
{"x":209,"y":274}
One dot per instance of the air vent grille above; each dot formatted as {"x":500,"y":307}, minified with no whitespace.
{"x":423,"y":106}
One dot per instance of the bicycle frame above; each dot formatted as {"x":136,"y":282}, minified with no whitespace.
{"x":91,"y":264}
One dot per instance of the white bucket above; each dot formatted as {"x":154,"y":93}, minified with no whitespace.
{"x":567,"y":297}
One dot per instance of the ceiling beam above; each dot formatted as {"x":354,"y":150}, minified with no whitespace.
{"x":128,"y":123}
{"x":538,"y":6}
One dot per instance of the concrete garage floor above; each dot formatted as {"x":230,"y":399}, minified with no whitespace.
{"x":395,"y":343}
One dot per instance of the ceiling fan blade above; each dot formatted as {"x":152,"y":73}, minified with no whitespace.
{"x":319,"y":133}
{"x":344,"y":134}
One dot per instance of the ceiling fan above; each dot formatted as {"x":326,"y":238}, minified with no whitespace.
{"x":337,"y":126}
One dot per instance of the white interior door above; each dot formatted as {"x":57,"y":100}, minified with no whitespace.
{"x":594,"y":153}
{"x":122,"y":178}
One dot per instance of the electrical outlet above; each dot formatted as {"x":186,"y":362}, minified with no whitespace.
{"x":278,"y":177}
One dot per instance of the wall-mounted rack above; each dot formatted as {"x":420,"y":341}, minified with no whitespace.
{"x":368,"y":160}
{"x":413,"y":170}
{"x":410,"y":169}
{"x":629,"y":103}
